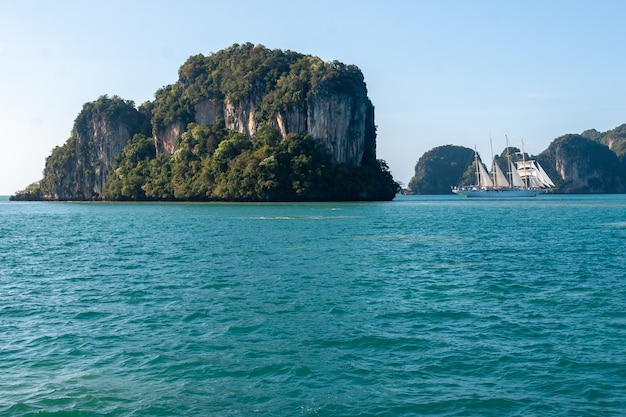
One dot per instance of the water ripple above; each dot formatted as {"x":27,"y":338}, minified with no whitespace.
{"x":414,"y":307}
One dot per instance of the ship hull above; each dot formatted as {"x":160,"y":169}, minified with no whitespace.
{"x":504,"y":193}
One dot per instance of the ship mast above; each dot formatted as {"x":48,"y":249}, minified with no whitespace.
{"x":509,"y":173}
{"x":477,"y":167}
{"x":526,"y":177}
{"x":493,"y":163}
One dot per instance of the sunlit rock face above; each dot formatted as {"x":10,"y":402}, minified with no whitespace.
{"x":343,"y":124}
{"x":98,"y":136}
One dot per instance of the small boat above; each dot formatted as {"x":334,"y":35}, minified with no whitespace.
{"x":525,"y":178}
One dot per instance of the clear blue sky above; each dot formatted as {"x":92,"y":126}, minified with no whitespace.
{"x":438,"y":72}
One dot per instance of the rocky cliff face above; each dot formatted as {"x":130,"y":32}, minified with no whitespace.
{"x":78,"y":169}
{"x":166,"y":141}
{"x":343,"y":124}
{"x":583,"y":166}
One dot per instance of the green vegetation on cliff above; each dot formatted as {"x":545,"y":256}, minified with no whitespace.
{"x":614,"y":139}
{"x":440,"y":168}
{"x":213,"y":163}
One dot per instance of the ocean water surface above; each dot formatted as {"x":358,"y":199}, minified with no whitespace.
{"x":435,"y":306}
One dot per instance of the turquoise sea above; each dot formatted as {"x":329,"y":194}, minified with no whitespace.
{"x":434,"y":306}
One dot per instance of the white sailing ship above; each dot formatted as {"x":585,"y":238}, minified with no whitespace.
{"x":525,"y":178}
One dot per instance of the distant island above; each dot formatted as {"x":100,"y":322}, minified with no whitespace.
{"x":590,"y":162}
{"x":244,"y":124}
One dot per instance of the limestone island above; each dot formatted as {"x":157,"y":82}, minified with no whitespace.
{"x":244,"y":124}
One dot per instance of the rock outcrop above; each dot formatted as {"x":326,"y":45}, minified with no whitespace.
{"x":245,"y":87}
{"x":582,"y":165}
{"x":439,"y":169}
{"x":78,"y":169}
